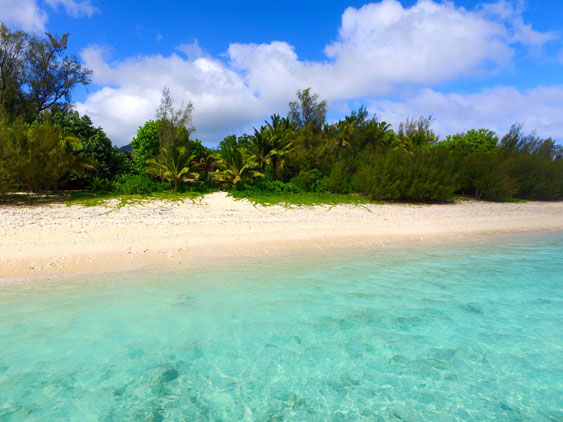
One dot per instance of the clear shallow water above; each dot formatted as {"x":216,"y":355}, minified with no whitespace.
{"x":408,"y":334}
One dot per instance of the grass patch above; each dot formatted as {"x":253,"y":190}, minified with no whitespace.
{"x":289,"y":199}
{"x":514,"y":200}
{"x":88,"y":198}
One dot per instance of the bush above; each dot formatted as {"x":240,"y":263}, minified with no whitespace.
{"x":339,"y":179}
{"x":265,"y":185}
{"x":145,"y":145}
{"x":401,"y":175}
{"x":310,"y":181}
{"x":487,"y":176}
{"x":538,"y":177}
{"x":37,"y":156}
{"x":103,"y":185}
{"x":140,"y":184}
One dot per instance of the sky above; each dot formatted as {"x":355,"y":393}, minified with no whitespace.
{"x":468,"y":64}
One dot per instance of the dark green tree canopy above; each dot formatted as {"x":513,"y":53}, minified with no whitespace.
{"x":36,"y":74}
{"x":95,"y":143}
{"x":145,"y":145}
{"x":483,"y":140}
{"x":307,"y":111}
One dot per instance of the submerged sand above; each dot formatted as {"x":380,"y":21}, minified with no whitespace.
{"x":58,"y":239}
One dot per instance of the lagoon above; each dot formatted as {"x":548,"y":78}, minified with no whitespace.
{"x":419,"y":332}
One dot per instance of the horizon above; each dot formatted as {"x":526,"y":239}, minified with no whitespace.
{"x":239,"y":65}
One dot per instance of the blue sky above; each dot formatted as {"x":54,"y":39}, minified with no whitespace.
{"x":469,"y":64}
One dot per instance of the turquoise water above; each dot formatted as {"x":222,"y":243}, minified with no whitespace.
{"x":418,"y":333}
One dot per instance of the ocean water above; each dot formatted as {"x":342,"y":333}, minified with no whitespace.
{"x":468,"y":332}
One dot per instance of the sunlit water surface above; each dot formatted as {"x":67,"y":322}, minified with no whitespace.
{"x":413,"y":333}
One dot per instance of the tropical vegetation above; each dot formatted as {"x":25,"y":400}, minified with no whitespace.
{"x":46,"y":145}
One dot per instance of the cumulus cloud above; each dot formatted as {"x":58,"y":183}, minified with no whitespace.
{"x":221,"y":97}
{"x":496,"y":108}
{"x":29,"y":16}
{"x":23,"y":14}
{"x":380,"y":48}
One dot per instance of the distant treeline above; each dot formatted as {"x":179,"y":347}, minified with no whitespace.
{"x":44,"y":145}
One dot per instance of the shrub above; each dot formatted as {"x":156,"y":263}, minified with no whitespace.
{"x":140,"y":184}
{"x":145,"y":145}
{"x":401,"y":175}
{"x":103,"y":185}
{"x":487,"y":176}
{"x":265,"y":185}
{"x":310,"y":181}
{"x":339,"y":179}
{"x":538,"y":177}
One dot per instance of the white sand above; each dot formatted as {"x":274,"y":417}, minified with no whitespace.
{"x":57,"y":239}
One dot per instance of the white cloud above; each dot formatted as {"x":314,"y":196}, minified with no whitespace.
{"x":510,"y":14}
{"x":495,"y":108}
{"x":380,"y":48}
{"x":75,"y":8}
{"x":222,"y":100}
{"x":23,"y":14}
{"x":191,"y":50}
{"x":29,"y":16}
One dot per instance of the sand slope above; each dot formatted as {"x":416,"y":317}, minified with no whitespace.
{"x":57,"y":239}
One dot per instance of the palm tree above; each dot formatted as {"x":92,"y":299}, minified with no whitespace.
{"x":174,"y":165}
{"x":272,"y":144}
{"x":207,"y":164}
{"x":236,"y":165}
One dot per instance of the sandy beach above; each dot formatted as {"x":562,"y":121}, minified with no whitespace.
{"x":57,"y":239}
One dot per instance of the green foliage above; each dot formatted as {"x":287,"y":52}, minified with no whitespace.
{"x":289,"y":199}
{"x":140,"y":184}
{"x":272,"y":144}
{"x":36,"y":73}
{"x":265,"y":185}
{"x":482,"y":140}
{"x":415,"y":135}
{"x":38,"y":157}
{"x":307,"y":111}
{"x":487,"y":176}
{"x":537,"y":176}
{"x":339,"y":178}
{"x":103,"y":185}
{"x":310,"y":181}
{"x":145,"y":145}
{"x":235,"y":163}
{"x":95,"y":144}
{"x":401,"y":175}
{"x":175,"y":165}
{"x":175,"y":123}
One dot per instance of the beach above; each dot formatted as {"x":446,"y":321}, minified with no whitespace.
{"x":56,"y":239}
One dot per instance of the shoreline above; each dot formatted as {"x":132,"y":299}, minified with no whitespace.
{"x":46,"y":242}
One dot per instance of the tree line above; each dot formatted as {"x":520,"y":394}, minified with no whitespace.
{"x":46,"y":145}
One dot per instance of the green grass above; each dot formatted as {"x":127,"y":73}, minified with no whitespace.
{"x":515,"y":200}
{"x":88,"y":198}
{"x":300,"y":199}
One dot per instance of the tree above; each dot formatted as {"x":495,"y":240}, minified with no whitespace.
{"x":272,"y":144}
{"x":12,"y":50}
{"x":482,"y":140}
{"x":176,"y":124}
{"x":414,"y":135}
{"x":145,"y":145}
{"x":40,"y":156}
{"x":235,"y":164}
{"x":95,"y":143}
{"x":36,"y":74}
{"x":50,"y":76}
{"x":174,"y":165}
{"x":307,"y":111}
